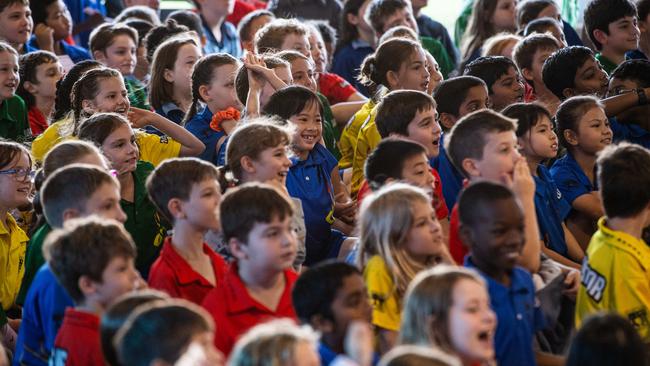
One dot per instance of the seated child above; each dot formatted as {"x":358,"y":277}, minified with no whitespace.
{"x":16,"y":25}
{"x":187,"y":194}
{"x":455,"y":98}
{"x":256,"y":222}
{"x":221,"y":35}
{"x":40,"y":72}
{"x":502,"y":78}
{"x":544,"y":26}
{"x":612,"y":27}
{"x":62,"y":102}
{"x":529,"y":55}
{"x":13,"y":125}
{"x":250,"y":24}
{"x":492,"y":223}
{"x":142,"y":65}
{"x":628,"y":77}
{"x":94,"y":261}
{"x":331,"y":297}
{"x":274,"y":75}
{"x":614,"y":278}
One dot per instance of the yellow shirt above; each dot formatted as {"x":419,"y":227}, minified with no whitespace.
{"x":367,"y":141}
{"x":616,"y":277}
{"x":13,"y":246}
{"x":348,"y":140}
{"x":153,"y":148}
{"x":381,"y":290}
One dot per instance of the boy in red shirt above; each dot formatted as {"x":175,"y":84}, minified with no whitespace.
{"x":256,"y":223}
{"x":93,"y":259}
{"x":187,"y":193}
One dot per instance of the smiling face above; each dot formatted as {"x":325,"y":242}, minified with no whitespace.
{"x":540,"y":141}
{"x":59,"y":19}
{"x":271,"y":165}
{"x":594,"y":133}
{"x":499,"y":157}
{"x":508,"y":89}
{"x":417,"y":171}
{"x":424,"y":239}
{"x":16,"y":23}
{"x":15,"y":193}
{"x":412,"y":74}
{"x":9,"y":77}
{"x":202,"y":208}
{"x":121,"y":150}
{"x":120,"y":55}
{"x":424,"y":129}
{"x":623,"y":35}
{"x":308,"y":129}
{"x":112,"y":97}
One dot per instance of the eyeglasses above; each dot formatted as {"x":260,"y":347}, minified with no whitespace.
{"x":20,"y":175}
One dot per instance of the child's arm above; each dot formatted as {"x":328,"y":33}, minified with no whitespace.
{"x":524,"y":187}
{"x":342,"y":112}
{"x":559,"y":258}
{"x":589,"y":204}
{"x":255,"y":85}
{"x":359,"y":342}
{"x":574,"y":249}
{"x":190,"y":145}
{"x":620,"y":103}
{"x":344,"y":207}
{"x":547,"y":359}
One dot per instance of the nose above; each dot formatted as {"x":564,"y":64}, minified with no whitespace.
{"x":286,"y":162}
{"x":490,"y":317}
{"x":121,"y":216}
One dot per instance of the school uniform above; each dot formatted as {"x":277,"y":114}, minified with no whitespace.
{"x":78,"y":341}
{"x":348,"y":140}
{"x":335,"y":88}
{"x":199,"y":126}
{"x":172,"y":274}
{"x":386,"y":308}
{"x":37,"y":121}
{"x":234,"y":310}
{"x":33,"y":260}
{"x":570,"y":178}
{"x":330,"y":134}
{"x":452,"y":178}
{"x":629,"y":132}
{"x":367,"y":141}
{"x":347,"y":63}
{"x":172,"y":112}
{"x":437,"y":50}
{"x":137,"y":92}
{"x":552,"y":209}
{"x":229,"y":40}
{"x":13,"y":247}
{"x":519,"y":316}
{"x":13,"y":120}
{"x":79,"y":12}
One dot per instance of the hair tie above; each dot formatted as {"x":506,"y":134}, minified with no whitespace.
{"x":227,"y":114}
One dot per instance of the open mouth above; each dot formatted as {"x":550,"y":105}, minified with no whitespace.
{"x":121,"y":110}
{"x":606,"y":141}
{"x":554,"y":147}
{"x":309,"y":138}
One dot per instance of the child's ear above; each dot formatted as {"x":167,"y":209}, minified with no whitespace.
{"x":247,"y":164}
{"x":99,"y":56}
{"x":469,"y":165}
{"x":568,"y":92}
{"x":88,"y":106}
{"x":70,"y":213}
{"x":204,"y":92}
{"x":29,"y":86}
{"x":527,"y":74}
{"x":167,"y":74}
{"x":466,"y":235}
{"x":447,"y":120}
{"x":86,"y":285}
{"x":570,"y":136}
{"x":175,"y":207}
{"x":392,"y":79}
{"x":238,"y":249}
{"x":600,"y":36}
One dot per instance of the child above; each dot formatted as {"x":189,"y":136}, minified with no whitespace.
{"x":356,"y":41}
{"x":142,"y":65}
{"x":546,"y":25}
{"x":13,"y":125}
{"x":643,"y":10}
{"x":278,"y":342}
{"x":185,"y":330}
{"x":170,"y":93}
{"x":40,"y":71}
{"x":436,"y":313}
{"x":16,"y":25}
{"x":187,"y":193}
{"x":114,"y":45}
{"x":255,"y":221}
{"x":213,"y":83}
{"x":112,"y":133}
{"x":455,"y":98}
{"x":399,"y":236}
{"x":314,"y":176}
{"x":502,"y":78}
{"x":93,"y":261}
{"x":538,"y":143}
{"x":529,"y":56}
{"x":612,"y":27}
{"x":250,"y":24}
{"x":492,"y":224}
{"x":221,"y":36}
{"x":613,"y":276}
{"x":332,"y":298}
{"x":62,"y":103}
{"x":158,"y":35}
{"x":501,"y":44}
{"x":268,"y":74}
{"x":52,"y":27}
{"x":584,"y":131}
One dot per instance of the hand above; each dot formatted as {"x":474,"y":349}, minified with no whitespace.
{"x":572,"y":283}
{"x":44,"y":37}
{"x":140,"y":117}
{"x":254,"y":65}
{"x":358,"y":343}
{"x":345,"y":208}
{"x":522,"y":182}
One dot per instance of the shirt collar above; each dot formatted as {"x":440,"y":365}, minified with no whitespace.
{"x":241,"y":301}
{"x":359,"y":43}
{"x":169,"y":107}
{"x":626,"y":242}
{"x":184,"y":272}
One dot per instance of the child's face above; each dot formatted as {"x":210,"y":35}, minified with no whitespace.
{"x":296,"y":42}
{"x":47,"y":76}
{"x":118,"y":278}
{"x":351,"y":304}
{"x":434,"y":72}
{"x":499,"y":157}
{"x":472,"y":322}
{"x":202,"y":208}
{"x":272,"y":165}
{"x":318,"y":51}
{"x":594,"y":133}
{"x":302,"y":73}
{"x":591,"y":79}
{"x":503,"y":18}
{"x":551,"y":11}
{"x":304,"y":354}
{"x":9,"y":77}
{"x":16,"y":23}
{"x":413,"y":74}
{"x":424,"y":129}
{"x":540,"y":141}
{"x":498,"y":238}
{"x":623,"y":35}
{"x":400,"y":17}
{"x":181,"y":75}
{"x":112,"y":97}
{"x":14,"y":191}
{"x":619,"y":86}
{"x":284,"y":74}
{"x":539,"y":57}
{"x":508,"y":89}
{"x":476,"y":99}
{"x":558,"y":33}
{"x":121,"y":150}
{"x":59,"y":19}
{"x":255,"y":25}
{"x":416,"y":170}
{"x":201,"y":352}
{"x":424,"y":238}
{"x":105,"y":202}
{"x":120,"y":55}
{"x":271,"y":246}
{"x":308,"y":128}
{"x":217,"y":7}
{"x":221,"y":92}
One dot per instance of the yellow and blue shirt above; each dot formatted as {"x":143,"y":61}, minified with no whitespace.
{"x":13,"y":248}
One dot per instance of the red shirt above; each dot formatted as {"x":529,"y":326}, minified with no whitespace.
{"x":171,"y":273}
{"x":457,"y":248}
{"x":335,"y":88}
{"x":234,"y":311}
{"x":242,"y":8}
{"x":77,"y":342}
{"x":37,"y":121}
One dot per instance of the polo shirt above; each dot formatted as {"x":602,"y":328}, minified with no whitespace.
{"x":570,"y":178}
{"x":629,"y":132}
{"x":367,"y":141}
{"x":310,"y":181}
{"x":239,"y":11}
{"x":519,"y":316}
{"x":172,"y":112}
{"x":348,"y":140}
{"x":229,"y":40}
{"x":452,"y":178}
{"x":143,"y":221}
{"x":552,"y":209}
{"x":78,"y":341}
{"x":335,"y":88}
{"x":13,"y":120}
{"x":437,"y":50}
{"x":330,"y":134}
{"x":13,"y":247}
{"x":430,"y":28}
{"x":234,"y":310}
{"x":37,"y":121}
{"x":616,"y":278}
{"x":386,"y":307}
{"x":457,"y":248}
{"x":33,"y":260}
{"x":606,"y":63}
{"x":347,"y":63}
{"x":329,"y":357}
{"x":76,"y":53}
{"x":43,"y":311}
{"x":174,"y":275}
{"x":137,"y":92}
{"x":199,"y":126}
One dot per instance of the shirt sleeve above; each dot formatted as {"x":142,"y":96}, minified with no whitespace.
{"x":155,"y":149}
{"x":568,"y":183}
{"x":385,"y":309}
{"x":442,"y":211}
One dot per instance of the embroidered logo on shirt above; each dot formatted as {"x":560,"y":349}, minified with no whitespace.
{"x":593,"y":281}
{"x":378,"y":301}
{"x":558,"y":193}
{"x":638,"y":318}
{"x":164,"y":139}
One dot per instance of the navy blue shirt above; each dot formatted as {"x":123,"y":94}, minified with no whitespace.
{"x":347,"y":63}
{"x":570,"y":178}
{"x":172,"y":112}
{"x":552,"y":209}
{"x":199,"y":126}
{"x":452,"y":179}
{"x":570,"y":34}
{"x":229,"y":40}
{"x":629,"y":132}
{"x":518,"y":316}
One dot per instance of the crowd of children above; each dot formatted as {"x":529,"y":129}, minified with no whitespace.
{"x":324,"y":182}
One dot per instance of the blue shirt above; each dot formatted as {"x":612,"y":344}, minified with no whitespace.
{"x":42,"y":317}
{"x":518,"y":316}
{"x":629,"y":132}
{"x":570,"y":178}
{"x":76,"y":54}
{"x":347,"y":63}
{"x":199,"y":126}
{"x":170,"y":111}
{"x":551,"y":209}
{"x":76,"y":8}
{"x":570,"y":34}
{"x":327,"y":356}
{"x":229,"y":40}
{"x":452,"y":179}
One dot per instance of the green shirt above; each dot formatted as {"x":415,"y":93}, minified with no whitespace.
{"x":13,"y":120}
{"x":329,"y":132}
{"x":437,"y":50}
{"x":33,"y":260}
{"x":143,"y":221}
{"x":137,"y":93}
{"x":606,"y":63}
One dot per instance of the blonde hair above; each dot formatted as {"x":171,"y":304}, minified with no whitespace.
{"x":495,"y":45}
{"x":386,"y":218}
{"x":430,"y":297}
{"x":68,"y":152}
{"x":270,"y":37}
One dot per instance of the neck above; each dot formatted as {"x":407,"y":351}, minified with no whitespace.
{"x":259,"y":278}
{"x":613,"y":56}
{"x":630,"y":225}
{"x":367,"y":36}
{"x":586,"y":161}
{"x":187,"y":240}
{"x":58,"y":49}
{"x":45,"y":105}
{"x":214,"y":20}
{"x":89,"y":306}
{"x":498,"y":274}
{"x":533,"y":162}
{"x":183,"y":100}
{"x":333,"y":342}
{"x":126,"y":182}
{"x":18,"y":47}
{"x":140,"y":72}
